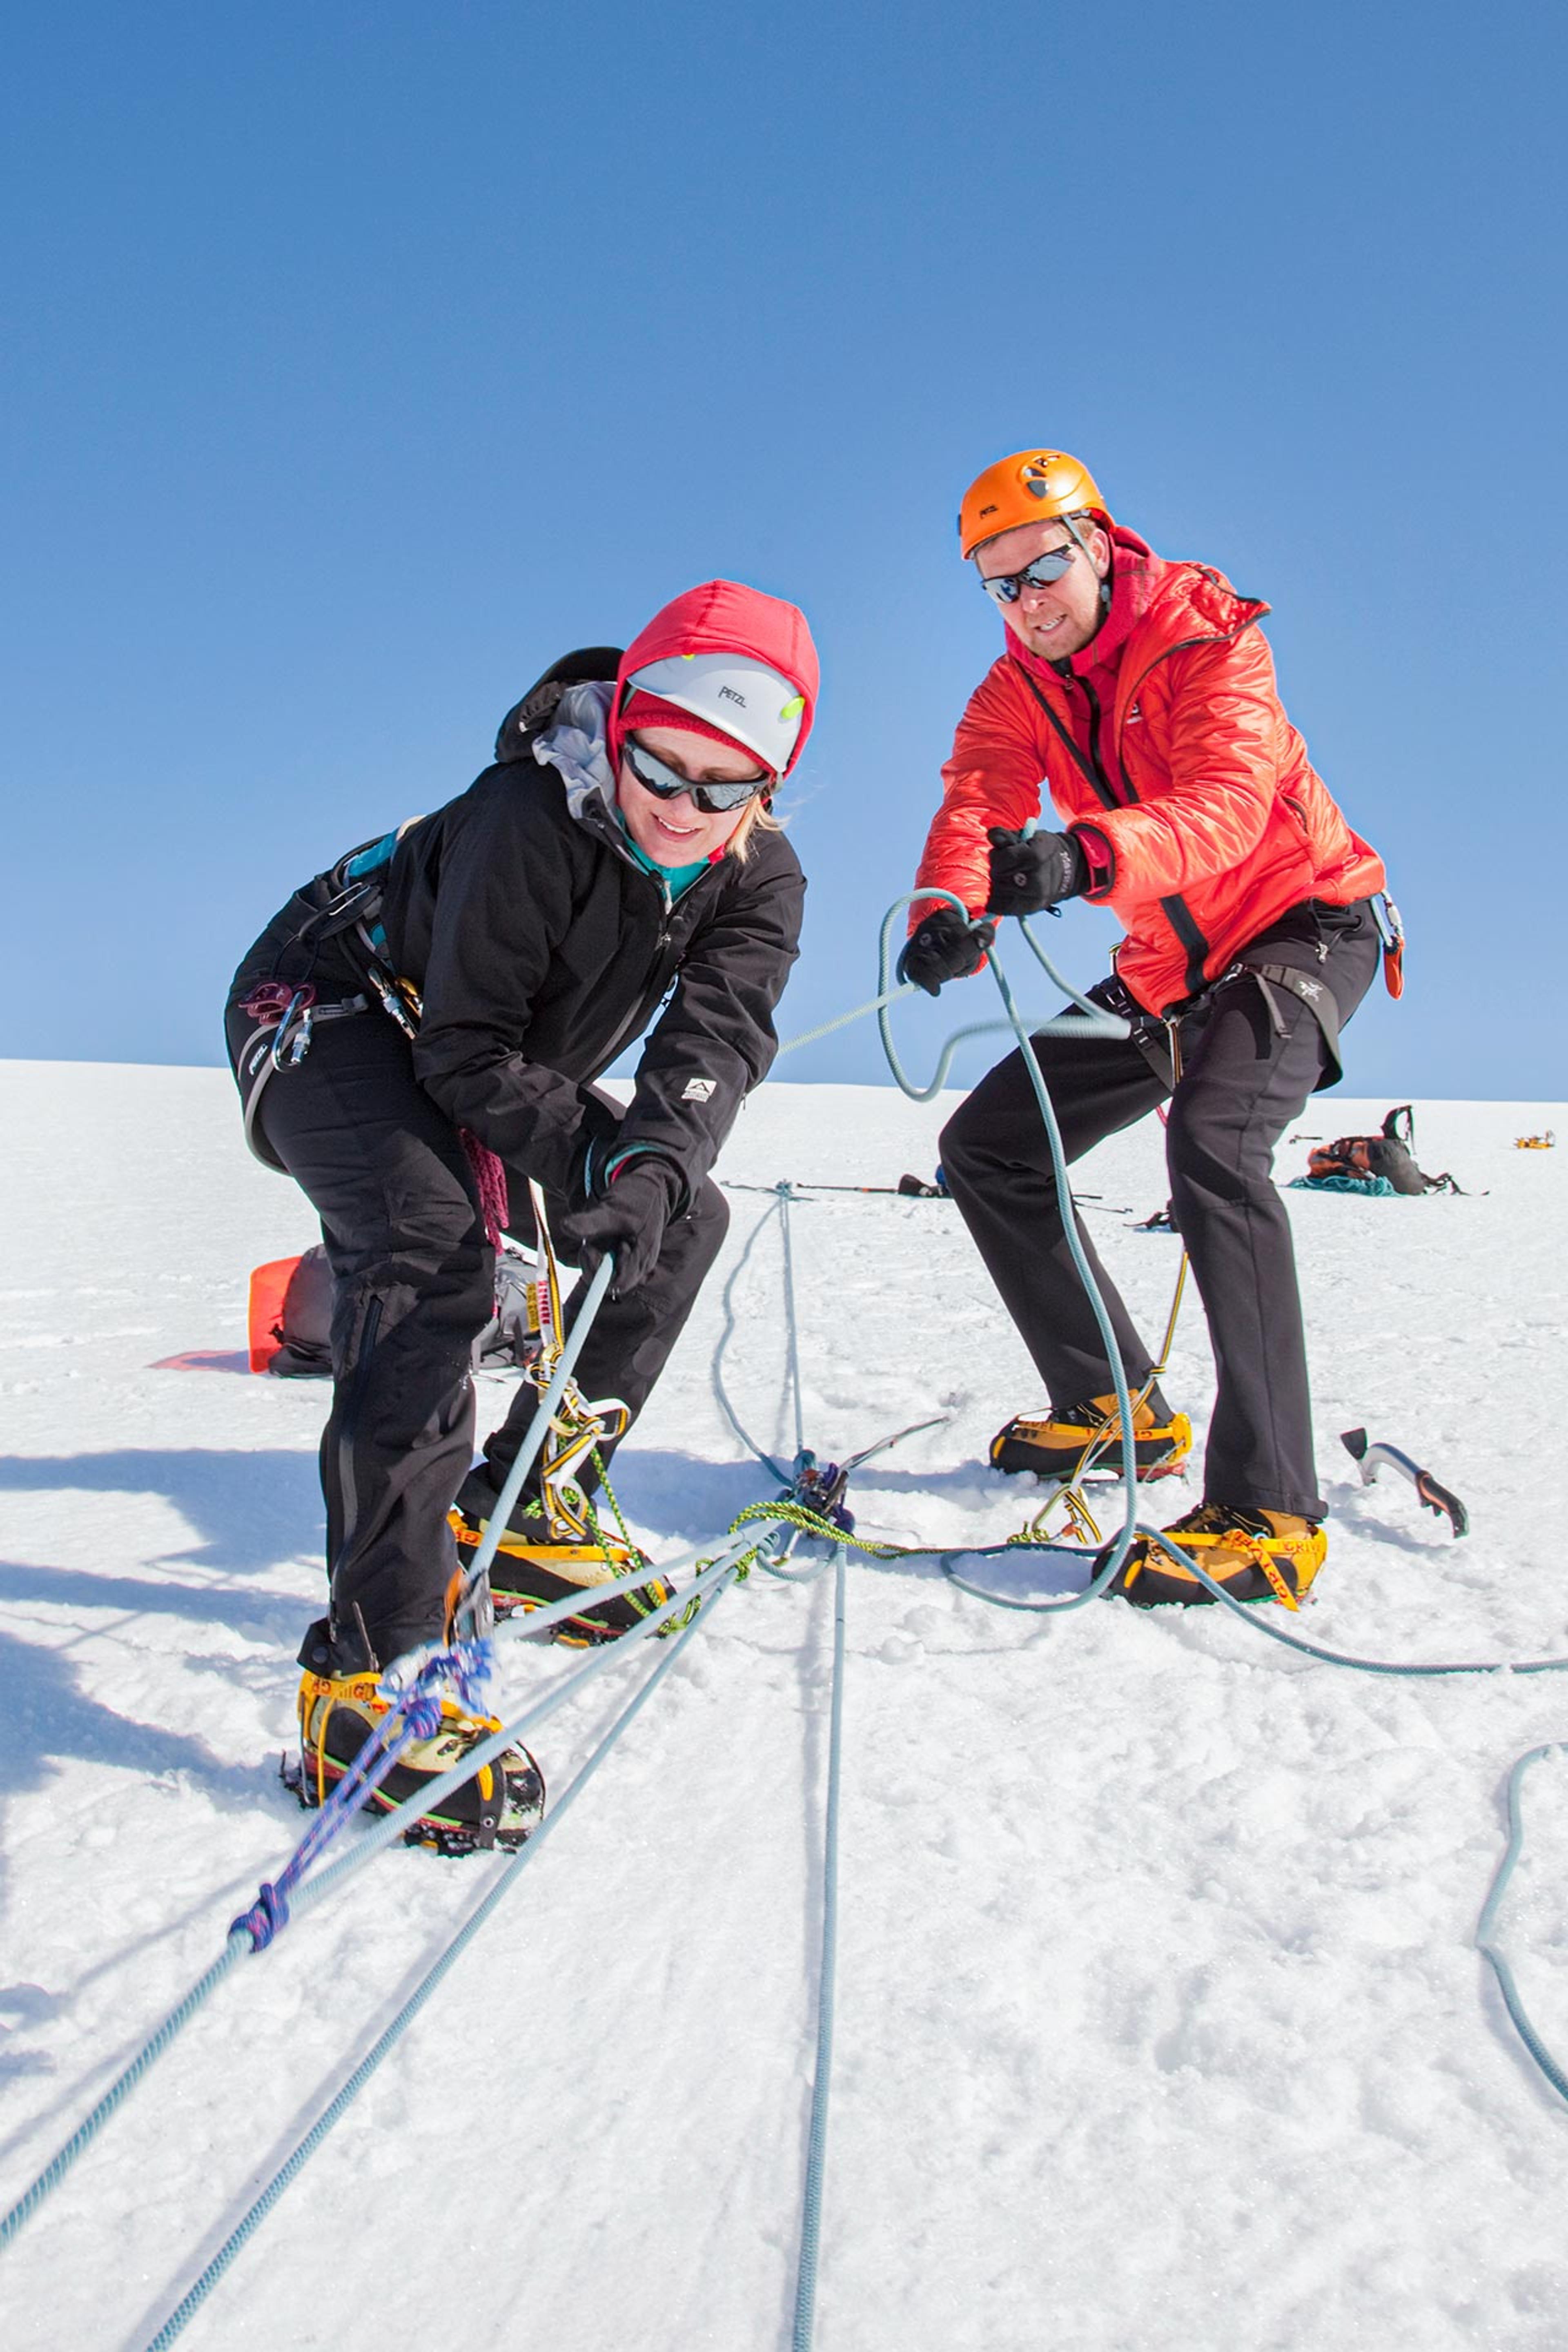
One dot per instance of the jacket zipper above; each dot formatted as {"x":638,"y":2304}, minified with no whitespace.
{"x":1096,"y":763}
{"x":1189,"y":935}
{"x":1091,"y":770}
{"x":645,"y":1002}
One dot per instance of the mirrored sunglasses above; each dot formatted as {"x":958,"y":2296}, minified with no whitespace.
{"x":667,"y":785}
{"x":1008,"y":586}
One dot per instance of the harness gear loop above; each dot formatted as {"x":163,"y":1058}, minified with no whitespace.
{"x":1315,"y":994}
{"x":286,"y":1019}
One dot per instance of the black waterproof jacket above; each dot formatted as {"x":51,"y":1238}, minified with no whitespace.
{"x":540,"y":948}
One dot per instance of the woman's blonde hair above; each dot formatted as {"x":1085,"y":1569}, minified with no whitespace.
{"x":755,"y":817}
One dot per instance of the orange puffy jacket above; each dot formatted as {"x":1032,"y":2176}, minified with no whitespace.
{"x":1196,"y":785}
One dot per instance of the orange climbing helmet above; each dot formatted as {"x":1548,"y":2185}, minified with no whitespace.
{"x":1032,"y":486}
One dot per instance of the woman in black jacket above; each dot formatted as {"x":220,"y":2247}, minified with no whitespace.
{"x":418,"y":1031}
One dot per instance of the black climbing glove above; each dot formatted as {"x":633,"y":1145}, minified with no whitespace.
{"x":627,"y":1218}
{"x":1028,"y":873}
{"x":945,"y":946}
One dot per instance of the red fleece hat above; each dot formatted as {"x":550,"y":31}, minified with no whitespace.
{"x":720,"y":617}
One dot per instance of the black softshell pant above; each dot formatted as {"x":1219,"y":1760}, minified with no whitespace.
{"x":1242,"y":1084}
{"x":414,"y":1284}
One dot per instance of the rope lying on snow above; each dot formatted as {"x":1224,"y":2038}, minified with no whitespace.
{"x":1133,"y":1527}
{"x":254,"y":1930}
{"x":1527,"y":2033}
{"x":374,"y":1838}
{"x":305,"y":2148}
{"x":827,"y":1977}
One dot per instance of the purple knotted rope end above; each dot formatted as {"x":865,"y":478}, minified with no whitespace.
{"x":266,"y":1915}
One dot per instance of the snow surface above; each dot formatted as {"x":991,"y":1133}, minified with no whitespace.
{"x":1160,"y":2019}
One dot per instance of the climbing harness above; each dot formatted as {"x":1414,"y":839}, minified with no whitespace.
{"x":1315,"y":994}
{"x":286,"y":1016}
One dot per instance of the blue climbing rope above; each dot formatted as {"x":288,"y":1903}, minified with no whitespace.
{"x":792,"y":1327}
{"x":539,"y":1427}
{"x":772,"y":1563}
{"x":465,"y":1668}
{"x":825,"y":1029}
{"x":1069,"y":1025}
{"x":256,"y":1928}
{"x":1100,"y":1023}
{"x":152,"y":2049}
{"x":816,"y":2137}
{"x":1488,"y":1920}
{"x":373,"y":1839}
{"x":1133,"y":1527}
{"x":727,"y":1333}
{"x":301,"y":2155}
{"x":1090,"y":1021}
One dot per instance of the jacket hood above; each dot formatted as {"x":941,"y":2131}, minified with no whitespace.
{"x":1136,"y":572}
{"x":722,"y":616}
{"x":1164,"y":600}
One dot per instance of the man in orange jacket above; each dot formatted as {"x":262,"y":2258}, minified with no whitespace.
{"x":1142,"y":691}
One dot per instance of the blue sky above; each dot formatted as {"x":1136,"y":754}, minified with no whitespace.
{"x":366,"y":358}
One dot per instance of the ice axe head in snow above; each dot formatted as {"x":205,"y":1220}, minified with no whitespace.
{"x":1437,"y":1498}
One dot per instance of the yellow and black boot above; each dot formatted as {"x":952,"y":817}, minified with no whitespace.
{"x":1054,"y":1446}
{"x":500,"y":1806}
{"x":1254,"y":1555}
{"x":538,"y":1561}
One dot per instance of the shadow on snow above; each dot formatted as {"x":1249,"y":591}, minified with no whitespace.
{"x":249,"y":1509}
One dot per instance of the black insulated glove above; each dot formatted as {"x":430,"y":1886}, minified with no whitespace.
{"x":945,"y":946}
{"x":628,"y":1219}
{"x":1031,"y":872}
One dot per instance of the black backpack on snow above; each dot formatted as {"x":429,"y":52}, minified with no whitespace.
{"x":1390,"y":1155}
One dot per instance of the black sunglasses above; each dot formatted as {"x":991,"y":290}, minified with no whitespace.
{"x":667,"y":783}
{"x":1008,"y":586}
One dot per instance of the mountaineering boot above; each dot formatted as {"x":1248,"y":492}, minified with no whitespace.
{"x":1254,"y":1555}
{"x":338,"y":1712}
{"x":478,"y":1496}
{"x":1053,"y":1447}
{"x":537,"y":1562}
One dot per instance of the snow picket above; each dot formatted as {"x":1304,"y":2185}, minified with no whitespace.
{"x":1160,"y":2016}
